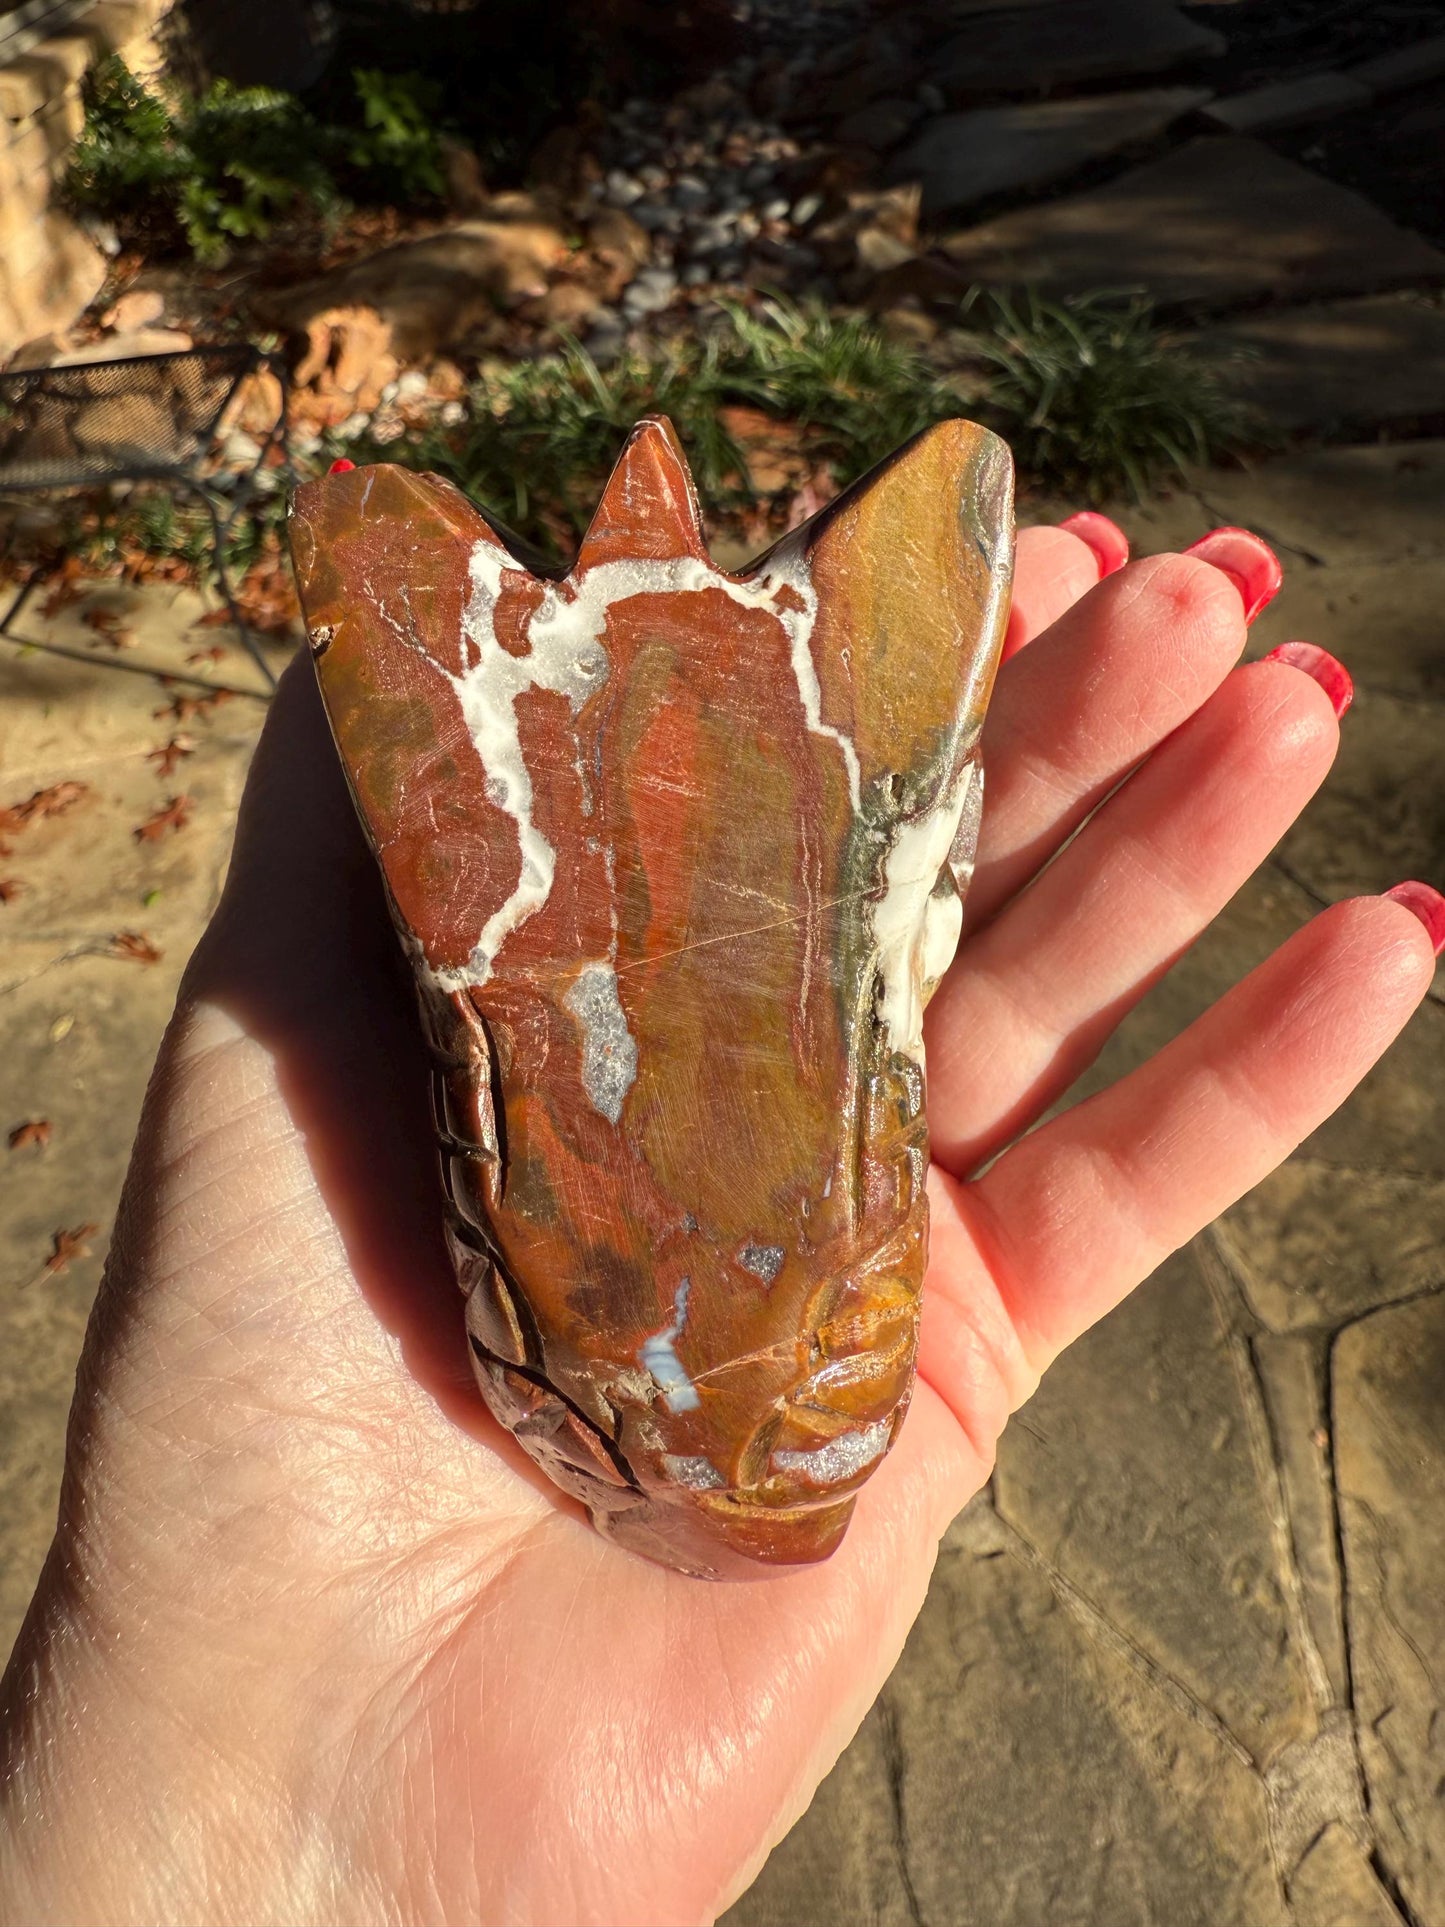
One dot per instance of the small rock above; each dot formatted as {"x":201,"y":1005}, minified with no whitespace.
{"x":776,"y":210}
{"x":451,"y":412}
{"x":689,"y":192}
{"x":141,"y":308}
{"x":651,"y":292}
{"x":878,"y":250}
{"x":879,"y":125}
{"x":622,"y":190}
{"x":135,"y":343}
{"x":569,"y":306}
{"x":412,"y":386}
{"x":806,"y":209}
{"x":613,"y":234}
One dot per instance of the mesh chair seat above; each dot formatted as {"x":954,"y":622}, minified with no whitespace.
{"x":139,"y":418}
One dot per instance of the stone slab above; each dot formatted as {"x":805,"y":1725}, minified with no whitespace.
{"x":79,"y":1024}
{"x":1389,"y":1404}
{"x":962,"y":159}
{"x":78,"y":1043}
{"x":1318,"y":1243}
{"x":1289,"y":103}
{"x":1327,"y":508}
{"x":1292,"y":1380}
{"x":1338,"y":366}
{"x":1037,"y":49}
{"x":1020,"y":1770}
{"x":1218,"y":222}
{"x":1335,"y":1885}
{"x":1393,"y":648}
{"x":1380,"y":816}
{"x":1409,"y":66}
{"x":1137,"y":1471}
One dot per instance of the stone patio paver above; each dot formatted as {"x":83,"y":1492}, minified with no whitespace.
{"x":79,"y":1025}
{"x":962,"y":159}
{"x":1341,"y":507}
{"x":1340,"y":365}
{"x":1388,"y":1371}
{"x":1218,"y":222}
{"x":1023,"y":1766}
{"x":1041,"y":48}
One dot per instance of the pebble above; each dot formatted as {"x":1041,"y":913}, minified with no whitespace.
{"x":806,"y":209}
{"x":651,"y":292}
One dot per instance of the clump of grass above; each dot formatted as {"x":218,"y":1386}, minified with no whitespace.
{"x":540,"y":436}
{"x":1096,"y":398}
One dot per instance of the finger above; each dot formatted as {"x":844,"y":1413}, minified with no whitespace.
{"x":1053,"y":567}
{"x":1033,"y":997}
{"x":1066,"y":1223}
{"x":1085,"y":702}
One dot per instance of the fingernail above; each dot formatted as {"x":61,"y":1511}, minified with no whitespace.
{"x":1105,"y":538}
{"x":1332,"y":676}
{"x":1426,"y":904}
{"x":1250,"y":564}
{"x":340,"y":466}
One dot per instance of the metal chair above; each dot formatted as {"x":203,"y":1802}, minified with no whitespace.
{"x":150,"y":418}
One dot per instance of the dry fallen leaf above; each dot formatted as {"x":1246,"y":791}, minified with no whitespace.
{"x":64,"y":1246}
{"x":108,"y":625}
{"x":182,"y":707}
{"x":216,"y":653}
{"x":35,"y":1130}
{"x":169,"y":754}
{"x":173,"y":815}
{"x":54,"y":801}
{"x":134,"y":946}
{"x":67,"y":588}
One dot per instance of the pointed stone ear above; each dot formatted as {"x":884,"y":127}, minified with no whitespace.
{"x":383,"y":565}
{"x":649,"y":508}
{"x":912,"y":569}
{"x":408,"y":538}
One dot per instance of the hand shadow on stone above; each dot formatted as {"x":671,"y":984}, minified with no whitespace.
{"x":302,"y":954}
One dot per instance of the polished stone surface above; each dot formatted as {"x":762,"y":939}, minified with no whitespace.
{"x":677,"y":855}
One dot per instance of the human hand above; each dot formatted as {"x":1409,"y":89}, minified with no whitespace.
{"x":315,"y":1643}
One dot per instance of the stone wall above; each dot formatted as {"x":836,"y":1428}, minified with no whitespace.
{"x":49,"y":268}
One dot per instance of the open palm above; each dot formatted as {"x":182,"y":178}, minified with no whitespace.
{"x":315,"y":1642}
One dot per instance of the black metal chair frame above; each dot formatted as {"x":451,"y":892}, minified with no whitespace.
{"x":182,"y":469}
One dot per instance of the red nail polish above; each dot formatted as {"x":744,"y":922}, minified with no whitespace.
{"x":1331,"y":675}
{"x":1426,"y":904}
{"x":340,"y":466}
{"x":1105,"y":538}
{"x":1251,"y":565}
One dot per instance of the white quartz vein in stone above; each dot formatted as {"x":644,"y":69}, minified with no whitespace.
{"x":911,"y":928}
{"x":565,"y":654}
{"x":659,"y":1356}
{"x":840,"y":1458}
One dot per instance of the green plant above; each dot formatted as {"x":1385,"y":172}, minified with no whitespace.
{"x":397,"y":145}
{"x":226,"y":165}
{"x":540,"y":436}
{"x":1093,"y":394}
{"x":840,"y":376}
